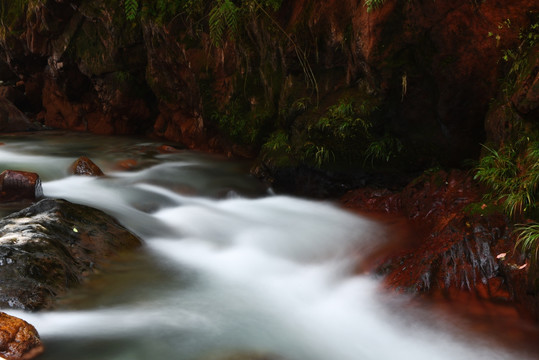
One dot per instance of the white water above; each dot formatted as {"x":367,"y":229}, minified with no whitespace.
{"x":221,"y":273}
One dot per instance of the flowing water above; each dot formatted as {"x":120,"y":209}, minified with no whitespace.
{"x":226,"y":267}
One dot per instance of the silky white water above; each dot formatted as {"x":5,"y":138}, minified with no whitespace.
{"x":226,"y":268}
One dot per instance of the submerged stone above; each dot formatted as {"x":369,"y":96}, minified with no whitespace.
{"x":52,"y":246}
{"x":18,"y":339}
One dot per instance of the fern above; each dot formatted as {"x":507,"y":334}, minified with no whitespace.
{"x":512,"y":173}
{"x":131,"y":9}
{"x":319,"y":155}
{"x":224,"y":18}
{"x":384,"y":148}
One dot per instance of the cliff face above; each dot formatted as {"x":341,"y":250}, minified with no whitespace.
{"x":426,"y":69}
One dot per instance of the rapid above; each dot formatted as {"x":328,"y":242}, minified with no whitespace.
{"x":227,"y":267}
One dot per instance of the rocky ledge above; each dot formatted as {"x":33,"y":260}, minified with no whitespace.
{"x":450,"y":243}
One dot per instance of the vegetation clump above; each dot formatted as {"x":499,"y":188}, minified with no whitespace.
{"x":512,"y":174}
{"x":346,"y":133}
{"x":510,"y":169}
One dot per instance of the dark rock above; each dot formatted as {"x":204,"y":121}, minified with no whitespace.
{"x":433,"y":67}
{"x":84,"y":166}
{"x":18,"y":339}
{"x":19,"y":185}
{"x":13,"y":94}
{"x":516,"y":108}
{"x":450,"y":245}
{"x":12,"y":119}
{"x":453,"y":249}
{"x":6,"y":74}
{"x":526,"y":96}
{"x":524,"y":284}
{"x":52,"y":246}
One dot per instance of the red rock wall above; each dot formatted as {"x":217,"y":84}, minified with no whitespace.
{"x":435,"y":64}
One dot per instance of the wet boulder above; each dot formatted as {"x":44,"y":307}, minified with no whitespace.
{"x":84,"y":166}
{"x":19,"y":185}
{"x":52,"y":246}
{"x":18,"y":339}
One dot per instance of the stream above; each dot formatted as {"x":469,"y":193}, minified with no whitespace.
{"x":227,"y":267}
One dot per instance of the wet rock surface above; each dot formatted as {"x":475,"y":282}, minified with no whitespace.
{"x":18,"y":339}
{"x":19,"y":185}
{"x":52,"y":246}
{"x":86,"y":167}
{"x":451,"y":248}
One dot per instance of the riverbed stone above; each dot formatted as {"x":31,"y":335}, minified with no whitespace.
{"x":52,"y":246}
{"x":19,"y":185}
{"x":18,"y":339}
{"x":84,"y":166}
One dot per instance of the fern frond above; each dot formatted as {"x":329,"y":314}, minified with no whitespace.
{"x":131,"y":9}
{"x":223,"y":17}
{"x":217,"y":25}
{"x":230,"y":14}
